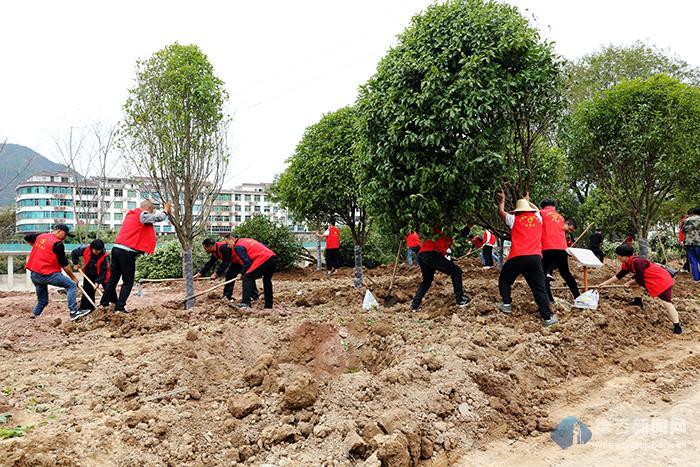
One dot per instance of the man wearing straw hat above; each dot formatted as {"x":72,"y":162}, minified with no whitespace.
{"x":525,"y":256}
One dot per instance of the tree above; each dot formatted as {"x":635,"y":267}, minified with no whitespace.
{"x":453,"y":112}
{"x":174,"y":135}
{"x":321,"y":181}
{"x":601,"y":70}
{"x":640,"y":141}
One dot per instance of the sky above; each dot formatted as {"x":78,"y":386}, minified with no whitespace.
{"x":284,"y":63}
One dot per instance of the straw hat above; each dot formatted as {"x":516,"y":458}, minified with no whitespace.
{"x":523,"y":205}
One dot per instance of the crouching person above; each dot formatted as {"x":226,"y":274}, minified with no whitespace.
{"x":258,"y":261}
{"x":95,"y":268}
{"x":46,"y":260}
{"x":652,"y":277}
{"x":229,"y":266}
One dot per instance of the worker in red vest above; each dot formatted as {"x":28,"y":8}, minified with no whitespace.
{"x":413,"y":248}
{"x":525,"y":256}
{"x":431,"y":258}
{"x":332,"y":236}
{"x":229,"y":266}
{"x":486,"y":242}
{"x":258,"y":261}
{"x":46,"y":260}
{"x":136,"y":237}
{"x":95,"y":268}
{"x":554,"y":255}
{"x":650,"y":276}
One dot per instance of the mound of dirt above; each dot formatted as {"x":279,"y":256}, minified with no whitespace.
{"x":316,"y":381}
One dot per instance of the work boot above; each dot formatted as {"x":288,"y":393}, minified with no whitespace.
{"x":464,"y":302}
{"x":77,"y":314}
{"x":677,"y":328}
{"x":637,"y":302}
{"x":506,"y":308}
{"x":551,"y":321}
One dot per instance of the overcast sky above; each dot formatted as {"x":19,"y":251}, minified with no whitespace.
{"x":285,"y":63}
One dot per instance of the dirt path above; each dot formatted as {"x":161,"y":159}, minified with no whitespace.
{"x":640,"y":418}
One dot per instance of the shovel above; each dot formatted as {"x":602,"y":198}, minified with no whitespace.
{"x":94,"y":286}
{"x":390,"y":300}
{"x":208,"y":290}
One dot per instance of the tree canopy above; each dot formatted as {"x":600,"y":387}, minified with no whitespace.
{"x":640,"y":141}
{"x":440,"y":113}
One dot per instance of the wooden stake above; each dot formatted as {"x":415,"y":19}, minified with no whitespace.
{"x":585,"y":279}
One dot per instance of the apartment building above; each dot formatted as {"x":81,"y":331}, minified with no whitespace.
{"x":45,"y":199}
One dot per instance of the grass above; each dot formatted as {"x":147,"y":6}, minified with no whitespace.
{"x":16,"y":432}
{"x":7,"y":390}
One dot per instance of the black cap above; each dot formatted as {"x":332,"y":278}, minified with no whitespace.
{"x":65,"y":228}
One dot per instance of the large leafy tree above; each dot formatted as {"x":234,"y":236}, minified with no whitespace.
{"x":601,"y":70}
{"x":321,"y":181}
{"x":640,"y":141}
{"x":174,"y":133}
{"x":453,"y":113}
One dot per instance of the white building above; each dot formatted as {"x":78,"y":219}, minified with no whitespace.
{"x":46,"y":199}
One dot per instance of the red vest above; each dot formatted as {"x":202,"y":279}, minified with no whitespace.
{"x":681,"y":234}
{"x":440,"y":245}
{"x":42,"y":259}
{"x":412,"y":240}
{"x":553,"y":234}
{"x":656,"y":279}
{"x":333,"y":238}
{"x":217,"y":254}
{"x":87,"y":255}
{"x":257,"y":252}
{"x":135,"y":235}
{"x":526,"y":235}
{"x":489,"y":238}
{"x":478,"y":242}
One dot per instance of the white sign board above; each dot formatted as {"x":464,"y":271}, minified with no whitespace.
{"x":585,"y":257}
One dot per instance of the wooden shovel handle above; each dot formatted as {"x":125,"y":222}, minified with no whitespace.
{"x":209,"y":289}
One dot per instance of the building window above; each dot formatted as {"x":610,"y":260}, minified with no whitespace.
{"x":256,"y":197}
{"x":257,"y":208}
{"x":118,"y":205}
{"x":267,"y":208}
{"x":44,"y":215}
{"x":85,"y":191}
{"x":118,"y":192}
{"x":130,"y":194}
{"x":237,"y":218}
{"x":223,"y":197}
{"x":131,"y":205}
{"x":106,"y":216}
{"x":247,"y":208}
{"x":104,"y":191}
{"x":238,"y":208}
{"x":118,"y":216}
{"x":237,"y":197}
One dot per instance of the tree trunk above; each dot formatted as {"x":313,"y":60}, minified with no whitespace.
{"x":188,"y":275}
{"x":319,"y":261}
{"x":500,"y":253}
{"x":643,"y":246}
{"x":358,"y":267}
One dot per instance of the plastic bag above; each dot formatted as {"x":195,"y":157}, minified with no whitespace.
{"x":588,"y":300}
{"x":370,"y":301}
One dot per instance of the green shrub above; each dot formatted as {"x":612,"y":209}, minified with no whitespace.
{"x":166,"y":261}
{"x":274,"y":236}
{"x":377,"y":250}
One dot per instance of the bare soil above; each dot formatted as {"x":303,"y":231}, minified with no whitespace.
{"x":319,"y":381}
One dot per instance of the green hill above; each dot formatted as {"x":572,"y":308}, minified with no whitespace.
{"x":17,"y":163}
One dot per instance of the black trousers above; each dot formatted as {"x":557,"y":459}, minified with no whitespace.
{"x":531,"y":268}
{"x":488,"y":255}
{"x":429,"y":262}
{"x":332,"y":258}
{"x":90,"y":291}
{"x":599,"y":253}
{"x":559,"y":259}
{"x":123,"y":267}
{"x":233,"y":270}
{"x":265,"y":270}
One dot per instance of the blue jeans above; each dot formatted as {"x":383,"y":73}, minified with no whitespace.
{"x":41,"y":283}
{"x":694,"y":261}
{"x":412,"y":255}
